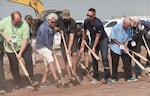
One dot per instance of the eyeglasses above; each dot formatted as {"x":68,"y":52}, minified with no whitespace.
{"x":89,"y":15}
{"x":53,"y":22}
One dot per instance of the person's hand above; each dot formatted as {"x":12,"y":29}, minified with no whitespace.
{"x":53,"y":52}
{"x":68,"y":52}
{"x":122,"y":47}
{"x":93,"y":49}
{"x":81,"y":49}
{"x":61,"y":32}
{"x":126,"y":50}
{"x":19,"y":56}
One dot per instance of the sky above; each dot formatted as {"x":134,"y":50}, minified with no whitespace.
{"x":105,"y":9}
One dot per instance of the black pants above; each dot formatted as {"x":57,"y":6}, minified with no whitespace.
{"x":27,"y":56}
{"x":148,"y":57}
{"x":137,"y":49}
{"x":126,"y":65}
{"x":2,"y":76}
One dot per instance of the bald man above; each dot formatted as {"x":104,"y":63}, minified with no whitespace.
{"x":16,"y":31}
{"x":120,"y":35}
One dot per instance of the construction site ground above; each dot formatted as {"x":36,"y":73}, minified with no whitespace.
{"x":119,"y":88}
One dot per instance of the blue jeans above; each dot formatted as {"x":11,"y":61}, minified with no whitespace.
{"x":103,"y":47}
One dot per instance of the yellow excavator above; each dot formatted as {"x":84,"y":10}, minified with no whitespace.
{"x":38,"y":7}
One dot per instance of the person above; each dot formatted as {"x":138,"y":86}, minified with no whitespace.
{"x":99,"y":41}
{"x":120,"y":35}
{"x":44,"y":46}
{"x":69,"y":28}
{"x":29,"y":20}
{"x":85,"y":53}
{"x":2,"y":75}
{"x":15,"y":31}
{"x":137,"y":25}
{"x":136,"y":43}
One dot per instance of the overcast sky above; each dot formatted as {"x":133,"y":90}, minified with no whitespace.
{"x":105,"y":8}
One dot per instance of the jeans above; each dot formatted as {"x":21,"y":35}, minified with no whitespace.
{"x":103,"y":47}
{"x":27,"y":56}
{"x":2,"y":75}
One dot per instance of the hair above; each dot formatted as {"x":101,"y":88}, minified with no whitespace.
{"x":13,"y":14}
{"x":51,"y":16}
{"x":28,"y":17}
{"x":92,"y":9}
{"x":127,"y":20}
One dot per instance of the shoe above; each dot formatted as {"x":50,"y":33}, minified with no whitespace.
{"x":138,"y":76}
{"x":2,"y":92}
{"x":45,"y":84}
{"x":147,"y":69}
{"x":94,"y":81}
{"x":58,"y":83}
{"x":132,"y":79}
{"x":113,"y":80}
{"x":108,"y":81}
{"x":17,"y":87}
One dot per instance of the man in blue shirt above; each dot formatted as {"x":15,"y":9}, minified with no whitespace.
{"x":120,"y":35}
{"x":99,"y":41}
{"x":44,"y":44}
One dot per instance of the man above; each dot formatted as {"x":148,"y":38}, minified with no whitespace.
{"x":99,"y":41}
{"x":120,"y":35}
{"x":2,"y":75}
{"x":44,"y":46}
{"x":145,"y":32}
{"x":69,"y":27}
{"x":16,"y":32}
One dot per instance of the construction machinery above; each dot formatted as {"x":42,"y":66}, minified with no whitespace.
{"x":38,"y":7}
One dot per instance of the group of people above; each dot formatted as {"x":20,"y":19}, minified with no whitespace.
{"x":16,"y":32}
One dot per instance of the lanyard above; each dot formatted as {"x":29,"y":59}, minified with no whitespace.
{"x":14,"y":29}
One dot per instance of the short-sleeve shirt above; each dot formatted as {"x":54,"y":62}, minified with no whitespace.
{"x":67,"y":27}
{"x":21,"y":32}
{"x":96,"y":27}
{"x":45,"y":36}
{"x":121,"y":35}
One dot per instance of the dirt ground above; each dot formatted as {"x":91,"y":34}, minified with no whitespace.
{"x":120,"y":88}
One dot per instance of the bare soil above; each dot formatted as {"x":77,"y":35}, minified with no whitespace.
{"x":120,"y":88}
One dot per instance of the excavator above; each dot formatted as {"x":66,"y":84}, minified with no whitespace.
{"x":38,"y":7}
{"x":41,"y":14}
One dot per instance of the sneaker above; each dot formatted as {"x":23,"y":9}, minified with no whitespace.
{"x":147,"y":69}
{"x":45,"y":84}
{"x":138,"y":76}
{"x":2,"y":92}
{"x":17,"y":87}
{"x":113,"y":80}
{"x":108,"y":81}
{"x":94,"y":81}
{"x":132,"y":79}
{"x":58,"y":83}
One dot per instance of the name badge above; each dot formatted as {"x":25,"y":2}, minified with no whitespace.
{"x":133,"y":43}
{"x":14,"y":39}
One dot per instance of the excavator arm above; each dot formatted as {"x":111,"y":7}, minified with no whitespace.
{"x":37,"y":5}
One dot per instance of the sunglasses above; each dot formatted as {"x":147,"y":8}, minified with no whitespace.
{"x":89,"y":15}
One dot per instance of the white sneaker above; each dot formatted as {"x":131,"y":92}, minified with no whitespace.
{"x":94,"y":81}
{"x":147,"y":69}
